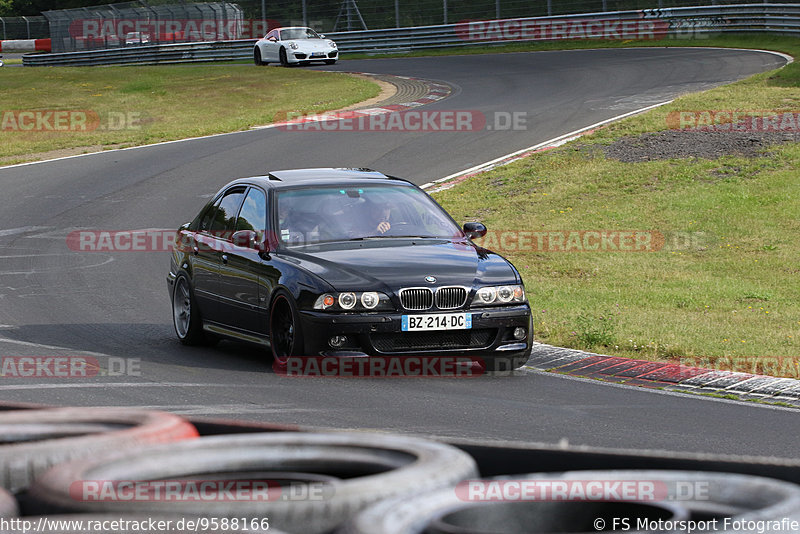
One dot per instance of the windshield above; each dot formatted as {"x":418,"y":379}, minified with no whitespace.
{"x":364,"y":212}
{"x":299,"y":33}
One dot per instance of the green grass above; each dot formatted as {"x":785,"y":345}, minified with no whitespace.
{"x":141,"y":105}
{"x":723,"y":291}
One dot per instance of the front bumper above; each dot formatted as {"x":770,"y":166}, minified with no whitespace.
{"x":380,"y":334}
{"x":299,"y":55}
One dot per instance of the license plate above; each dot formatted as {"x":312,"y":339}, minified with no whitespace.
{"x":439,"y":321}
{"x":317,"y":54}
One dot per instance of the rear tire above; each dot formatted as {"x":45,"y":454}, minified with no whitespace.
{"x":185,"y":313}
{"x":257,"y":57}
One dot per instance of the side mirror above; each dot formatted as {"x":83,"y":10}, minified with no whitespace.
{"x":273,"y":39}
{"x":474,"y":230}
{"x":322,"y":36}
{"x":244,"y":238}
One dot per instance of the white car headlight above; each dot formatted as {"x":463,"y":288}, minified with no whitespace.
{"x":331,"y":44}
{"x":499,"y":295}
{"x":293,"y":46}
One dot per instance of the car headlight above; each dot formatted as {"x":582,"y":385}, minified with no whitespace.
{"x":293,"y":46}
{"x":354,"y":301}
{"x":331,"y":44}
{"x":499,"y":295}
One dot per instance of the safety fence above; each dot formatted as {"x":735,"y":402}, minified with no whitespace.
{"x":649,"y":24}
{"x":23,"y":28}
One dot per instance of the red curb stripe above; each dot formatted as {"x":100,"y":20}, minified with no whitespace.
{"x":674,"y":373}
{"x":580,"y":364}
{"x":641,"y":368}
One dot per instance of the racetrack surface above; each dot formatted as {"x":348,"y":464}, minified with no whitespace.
{"x":59,"y":302}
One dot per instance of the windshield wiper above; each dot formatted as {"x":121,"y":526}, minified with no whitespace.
{"x":393,"y":237}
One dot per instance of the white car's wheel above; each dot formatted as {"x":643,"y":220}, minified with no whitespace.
{"x":257,"y":57}
{"x":284,"y":59}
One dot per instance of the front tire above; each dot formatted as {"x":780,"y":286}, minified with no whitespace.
{"x":285,"y":335}
{"x":185,"y":313}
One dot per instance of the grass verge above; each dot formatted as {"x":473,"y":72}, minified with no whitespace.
{"x":723,"y":290}
{"x":141,"y":105}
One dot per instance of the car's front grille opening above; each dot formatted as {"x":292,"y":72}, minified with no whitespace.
{"x":450,"y":298}
{"x":437,"y":340}
{"x":417,"y":298}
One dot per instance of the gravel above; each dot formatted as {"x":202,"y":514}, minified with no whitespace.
{"x":672,"y":144}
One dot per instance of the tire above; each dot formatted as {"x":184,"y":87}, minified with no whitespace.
{"x":330,"y":62}
{"x":369,"y":467}
{"x":718,"y":495}
{"x":282,"y":56}
{"x":186,"y":318}
{"x":8,"y":504}
{"x":285,"y":332}
{"x":257,"y":57}
{"x":35,"y":440}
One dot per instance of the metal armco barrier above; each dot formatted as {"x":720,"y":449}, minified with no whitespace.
{"x":683,"y":22}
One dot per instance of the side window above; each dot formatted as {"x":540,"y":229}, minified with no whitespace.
{"x":225,"y":216}
{"x":273,"y":34}
{"x":254,"y":212}
{"x":208,"y":216}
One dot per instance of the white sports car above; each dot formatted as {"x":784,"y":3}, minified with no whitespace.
{"x":289,"y":46}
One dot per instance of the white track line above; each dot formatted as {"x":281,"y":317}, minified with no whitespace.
{"x":556,"y":141}
{"x":83,"y":385}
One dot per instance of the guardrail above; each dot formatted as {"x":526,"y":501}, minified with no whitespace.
{"x":681,"y":22}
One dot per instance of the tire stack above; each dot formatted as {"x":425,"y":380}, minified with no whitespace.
{"x":742,"y":498}
{"x":368,"y":483}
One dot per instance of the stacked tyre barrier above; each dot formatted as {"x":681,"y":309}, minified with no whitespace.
{"x":64,"y":469}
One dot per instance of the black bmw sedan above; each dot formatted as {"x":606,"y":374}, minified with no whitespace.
{"x":345,"y":263}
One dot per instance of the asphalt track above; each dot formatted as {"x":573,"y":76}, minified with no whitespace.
{"x":57,"y":302}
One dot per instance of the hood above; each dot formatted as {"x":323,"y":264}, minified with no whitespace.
{"x":311,"y":45}
{"x":396,"y":263}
